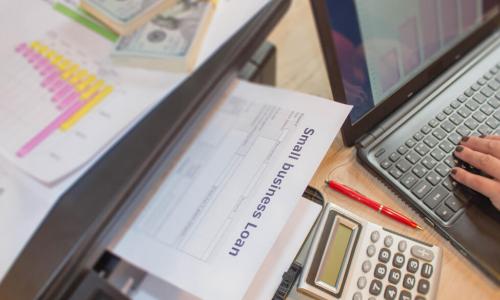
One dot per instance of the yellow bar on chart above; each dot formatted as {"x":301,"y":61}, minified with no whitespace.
{"x":70,"y":71}
{"x":63,"y":64}
{"x":35,"y":45}
{"x":50,"y":54}
{"x":84,"y":84}
{"x":92,"y":90}
{"x":78,"y":77}
{"x":43,"y":50}
{"x":86,"y":108}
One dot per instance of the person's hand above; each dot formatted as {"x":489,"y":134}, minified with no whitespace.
{"x":483,"y":153}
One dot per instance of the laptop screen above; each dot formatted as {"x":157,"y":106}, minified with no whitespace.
{"x":383,"y":44}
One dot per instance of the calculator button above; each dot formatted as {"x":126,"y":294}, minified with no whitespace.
{"x":399,"y":260}
{"x":357,"y":296}
{"x":390,"y":292}
{"x":423,"y":286}
{"x":402,"y":246}
{"x":388,"y":241}
{"x":409,"y":281}
{"x":375,"y":287}
{"x":384,"y":255}
{"x":412,"y":265}
{"x":426,"y":270}
{"x":422,"y":253}
{"x":380,"y":271}
{"x":405,"y":295}
{"x":370,"y":251}
{"x":361,"y":282}
{"x":366,"y":266}
{"x":394,"y":276}
{"x":375,"y":236}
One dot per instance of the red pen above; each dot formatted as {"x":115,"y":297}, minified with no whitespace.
{"x":391,"y":213}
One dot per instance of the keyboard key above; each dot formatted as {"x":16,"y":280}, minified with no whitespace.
{"x":441,"y":116}
{"x":366,"y":266}
{"x":463,"y":130}
{"x":408,"y":281}
{"x":394,"y":157}
{"x":402,"y":246}
{"x":423,"y":286}
{"x":446,"y":146}
{"x":436,"y":197}
{"x":380,"y":271}
{"x":375,"y":287}
{"x":422,"y":149}
{"x":361,"y":283}
{"x":464,"y":112}
{"x":430,"y":141}
{"x":494,"y":103}
{"x":449,"y":183}
{"x":450,"y":161}
{"x":472,"y":105}
{"x":433,"y":123}
{"x":429,"y":162}
{"x":419,"y":170}
{"x":494,"y":85}
{"x":412,"y":157}
{"x":455,"y":104}
{"x":461,"y":98}
{"x":418,"y":136}
{"x":487,"y":91}
{"x":483,"y":129}
{"x":487,"y":109}
{"x":388,"y":240}
{"x":421,"y":189}
{"x":448,"y":126}
{"x":384,"y":255}
{"x":385,"y":164}
{"x":405,"y":295}
{"x":374,"y":236}
{"x":479,"y":116}
{"x":481,"y":81}
{"x":412,"y":265}
{"x":422,"y":253}
{"x":402,"y":150}
{"x":442,"y":169}
{"x":475,"y":87}
{"x":390,"y":292}
{"x":410,"y":143}
{"x":469,"y":92}
{"x":395,"y":172}
{"x":471,"y":124}
{"x":403,"y":165}
{"x":493,"y":123}
{"x":444,"y":212}
{"x":426,"y":129}
{"x":433,"y":178}
{"x":439,"y":133}
{"x":438,"y":154}
{"x":409,"y":180}
{"x":398,"y":261}
{"x":454,"y":203}
{"x":455,"y":138}
{"x":479,"y":98}
{"x":394,"y":276}
{"x":456,"y":119}
{"x":427,"y":270}
{"x":370,"y":251}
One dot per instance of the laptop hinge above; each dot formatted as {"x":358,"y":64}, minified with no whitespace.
{"x":367,"y":139}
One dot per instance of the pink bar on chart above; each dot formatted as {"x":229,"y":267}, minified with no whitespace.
{"x":68,"y":100}
{"x":36,"y":59}
{"x":408,"y":37}
{"x":42,"y":63}
{"x":449,"y":20}
{"x":31,"y":57}
{"x":469,"y":13}
{"x":57,"y":84}
{"x":429,"y":27}
{"x":63,"y":91}
{"x":28,"y":52}
{"x":48,"y":130}
{"x":51,"y":77}
{"x":49,"y":68}
{"x":388,"y":69}
{"x":21,"y":48}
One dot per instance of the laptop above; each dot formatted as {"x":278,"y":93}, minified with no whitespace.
{"x":420,"y":75}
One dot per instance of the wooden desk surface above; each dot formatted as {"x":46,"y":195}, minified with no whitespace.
{"x":301,"y":68}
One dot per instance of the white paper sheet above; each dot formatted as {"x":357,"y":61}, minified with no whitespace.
{"x":220,"y":210}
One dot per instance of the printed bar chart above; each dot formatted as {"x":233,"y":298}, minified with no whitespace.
{"x":73,"y":89}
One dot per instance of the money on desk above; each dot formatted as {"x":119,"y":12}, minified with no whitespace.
{"x":124,"y":16}
{"x":171,"y":41}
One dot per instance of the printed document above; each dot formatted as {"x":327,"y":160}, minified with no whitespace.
{"x":211,"y":223}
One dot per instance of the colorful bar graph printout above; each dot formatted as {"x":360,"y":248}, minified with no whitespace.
{"x":74,"y":90}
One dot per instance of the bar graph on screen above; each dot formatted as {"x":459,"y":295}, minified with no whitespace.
{"x":74,"y":90}
{"x":417,"y":32}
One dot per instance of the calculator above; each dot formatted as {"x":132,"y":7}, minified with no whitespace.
{"x":351,"y":258}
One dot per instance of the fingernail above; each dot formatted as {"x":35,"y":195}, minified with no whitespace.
{"x":459,"y":149}
{"x":482,"y":136}
{"x":453,"y":171}
{"x":465,"y":139}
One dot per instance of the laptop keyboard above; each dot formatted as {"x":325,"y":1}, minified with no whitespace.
{"x":422,"y":164}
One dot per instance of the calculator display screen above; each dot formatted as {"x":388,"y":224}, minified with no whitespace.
{"x":334,"y":255}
